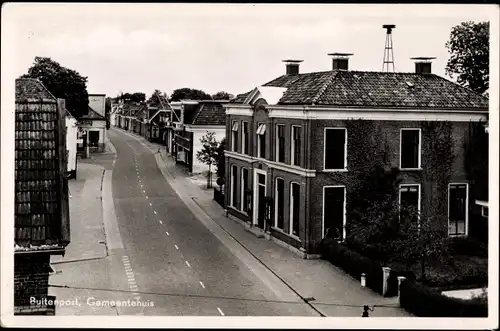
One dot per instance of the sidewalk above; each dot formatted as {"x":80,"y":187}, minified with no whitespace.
{"x":334,"y":292}
{"x":86,"y":223}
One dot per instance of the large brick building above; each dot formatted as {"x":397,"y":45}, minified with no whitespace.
{"x":288,"y":151}
{"x":41,"y":218}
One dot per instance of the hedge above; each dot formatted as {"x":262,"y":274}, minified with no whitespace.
{"x":353,"y":263}
{"x":423,"y":301}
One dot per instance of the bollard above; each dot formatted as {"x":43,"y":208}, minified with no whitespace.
{"x":363,"y":279}
{"x":400,"y":279}
{"x":385,"y":280}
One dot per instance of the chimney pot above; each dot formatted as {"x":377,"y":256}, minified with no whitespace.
{"x":292,"y":67}
{"x":423,"y":65}
{"x":340,"y":61}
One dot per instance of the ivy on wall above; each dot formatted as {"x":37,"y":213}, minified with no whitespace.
{"x":476,"y":160}
{"x":373,"y":215}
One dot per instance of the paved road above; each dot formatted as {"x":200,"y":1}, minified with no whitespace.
{"x":170,"y":257}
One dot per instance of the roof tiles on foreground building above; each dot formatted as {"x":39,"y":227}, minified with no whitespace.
{"x":41,"y":207}
{"x":346,"y":88}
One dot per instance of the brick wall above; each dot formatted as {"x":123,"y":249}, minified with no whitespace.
{"x":391,"y":130}
{"x":31,"y":278}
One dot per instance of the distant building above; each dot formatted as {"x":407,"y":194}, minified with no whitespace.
{"x":41,"y":220}
{"x":71,"y":142}
{"x":92,"y":131}
{"x":197,"y":118}
{"x":288,"y":150}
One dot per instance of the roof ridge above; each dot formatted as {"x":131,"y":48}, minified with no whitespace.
{"x":198,"y":113}
{"x":324,"y":87}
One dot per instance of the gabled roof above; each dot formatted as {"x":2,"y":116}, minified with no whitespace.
{"x":41,"y":200}
{"x":92,"y":115}
{"x":33,"y":89}
{"x":373,"y":89}
{"x":376,"y":89}
{"x":210,"y":113}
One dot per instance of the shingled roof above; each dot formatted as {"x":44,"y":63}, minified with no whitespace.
{"x":373,"y":89}
{"x":41,"y":217}
{"x":210,"y":113}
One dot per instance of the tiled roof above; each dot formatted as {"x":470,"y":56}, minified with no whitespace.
{"x":190,"y":112}
{"x":376,"y":89}
{"x":240,"y":98}
{"x":92,"y":115}
{"x":210,"y":113}
{"x":31,"y":88}
{"x":41,"y":193}
{"x":132,"y":109}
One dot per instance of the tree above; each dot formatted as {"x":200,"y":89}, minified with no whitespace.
{"x":208,"y":153}
{"x":62,"y":83}
{"x":135,"y":97}
{"x":221,"y":163}
{"x":188,"y":93}
{"x":157,"y":99}
{"x":221,"y":95}
{"x":469,"y":59}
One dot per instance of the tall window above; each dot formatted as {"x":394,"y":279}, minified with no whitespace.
{"x":294,"y":208}
{"x":409,"y":198}
{"x":334,"y":212}
{"x":296,"y":145}
{"x":457,"y":209}
{"x":261,"y":140}
{"x":410,"y":149}
{"x":335,"y":149}
{"x":234,"y":185}
{"x":279,"y":207}
{"x":244,"y":189}
{"x":234,"y":136}
{"x":280,"y":143}
{"x":245,"y":138}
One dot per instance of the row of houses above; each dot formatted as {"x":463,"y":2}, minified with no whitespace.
{"x":179,"y":126}
{"x":47,"y":140}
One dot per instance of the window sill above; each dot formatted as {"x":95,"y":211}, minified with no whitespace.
{"x":335,"y":170}
{"x":286,"y":234}
{"x":457,"y":235}
{"x":411,"y":169}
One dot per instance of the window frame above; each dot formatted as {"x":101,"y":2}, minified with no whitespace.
{"x":278,"y":150}
{"x":419,"y":198}
{"x":325,"y":169}
{"x":344,"y":221}
{"x":466,"y":225}
{"x":234,"y":136}
{"x":276,"y":203}
{"x":243,"y":188}
{"x":261,"y":134}
{"x":419,"y":165}
{"x":232,"y":195}
{"x":292,"y":146}
{"x":290,"y":215}
{"x":244,"y":137}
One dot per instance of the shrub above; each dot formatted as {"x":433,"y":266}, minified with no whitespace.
{"x":353,"y":263}
{"x":469,"y":246}
{"x":423,"y":301}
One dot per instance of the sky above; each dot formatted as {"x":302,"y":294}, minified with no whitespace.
{"x":222,"y":47}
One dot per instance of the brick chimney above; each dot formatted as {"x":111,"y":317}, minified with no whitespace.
{"x":292,"y":67}
{"x":340,"y":61}
{"x":423,"y":65}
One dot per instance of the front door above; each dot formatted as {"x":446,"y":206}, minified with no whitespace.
{"x":259,"y":198}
